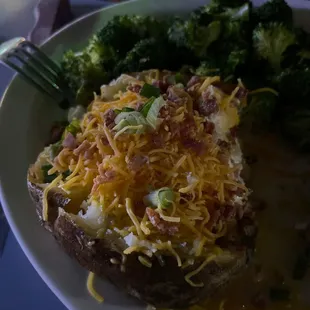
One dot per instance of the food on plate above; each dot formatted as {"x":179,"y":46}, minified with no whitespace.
{"x":146,"y":183}
{"x":144,"y":187}
{"x":233,"y":39}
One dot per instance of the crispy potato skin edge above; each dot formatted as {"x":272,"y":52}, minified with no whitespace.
{"x":161,"y":286}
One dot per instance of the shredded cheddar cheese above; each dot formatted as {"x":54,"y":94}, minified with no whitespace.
{"x":118,"y":169}
{"x":90,"y":288}
{"x":45,"y":193}
{"x":196,"y":271}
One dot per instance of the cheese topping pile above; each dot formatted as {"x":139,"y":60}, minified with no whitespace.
{"x":192,"y":152}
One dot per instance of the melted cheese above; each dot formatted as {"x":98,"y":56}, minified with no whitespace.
{"x":198,"y":182}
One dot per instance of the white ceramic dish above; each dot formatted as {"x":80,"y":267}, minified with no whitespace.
{"x":25,"y":119}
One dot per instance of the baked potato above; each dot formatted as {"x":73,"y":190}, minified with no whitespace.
{"x":174,"y":277}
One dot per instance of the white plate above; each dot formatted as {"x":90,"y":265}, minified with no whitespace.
{"x":25,"y":119}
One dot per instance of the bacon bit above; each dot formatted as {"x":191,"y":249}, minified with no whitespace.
{"x":90,"y":117}
{"x":168,"y":110}
{"x":215,"y":215}
{"x":207,"y":103}
{"x":135,"y":88}
{"x":187,"y":196}
{"x":136,"y":162}
{"x":56,"y":133}
{"x":157,"y":140}
{"x":209,"y":127}
{"x":108,"y":174}
{"x":229,"y":212}
{"x":104,"y":177}
{"x":90,"y":152}
{"x":109,"y":117}
{"x":69,"y":141}
{"x":163,"y":227}
{"x":188,"y":137}
{"x":193,"y":81}
{"x":82,"y":148}
{"x":224,"y":157}
{"x":104,"y":141}
{"x":176,"y":94}
{"x":163,"y":86}
{"x":197,"y":146}
{"x":139,"y":208}
{"x":233,"y":132}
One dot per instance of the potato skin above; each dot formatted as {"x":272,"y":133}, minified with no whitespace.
{"x":160,"y":286}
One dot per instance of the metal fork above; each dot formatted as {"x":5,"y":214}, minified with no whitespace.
{"x":36,"y":68}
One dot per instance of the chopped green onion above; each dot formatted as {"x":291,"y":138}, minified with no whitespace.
{"x":146,"y":107}
{"x":179,"y":78}
{"x":161,"y":198}
{"x":126,"y":109}
{"x":149,"y":91}
{"x":128,"y":119}
{"x":73,"y":127}
{"x":54,"y":149}
{"x":152,"y":115}
{"x":179,"y":85}
{"x":48,"y":178}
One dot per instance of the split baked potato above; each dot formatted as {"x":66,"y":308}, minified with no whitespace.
{"x":157,"y":277}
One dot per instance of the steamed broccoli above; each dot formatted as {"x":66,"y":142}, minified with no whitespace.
{"x":235,"y":59}
{"x":208,"y":68}
{"x":295,"y":125}
{"x":123,"y":32}
{"x":273,"y":11}
{"x":193,"y":36}
{"x":293,"y":85}
{"x":271,"y":41}
{"x":228,"y":3}
{"x":84,"y":74}
{"x":146,"y":54}
{"x":120,"y":33}
{"x":259,"y":112}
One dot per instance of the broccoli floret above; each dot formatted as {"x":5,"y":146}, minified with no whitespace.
{"x":120,"y":33}
{"x":193,"y":36}
{"x":295,"y":125}
{"x":84,"y":74}
{"x":228,"y":3}
{"x":123,"y":32}
{"x":259,"y":112}
{"x":294,"y":112}
{"x":208,"y":68}
{"x":101,"y":54}
{"x":240,"y":13}
{"x":293,"y":86}
{"x":235,"y":59}
{"x":271,"y":41}
{"x":273,"y":11}
{"x":146,"y":54}
{"x":150,"y":27}
{"x":70,"y":66}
